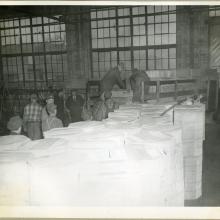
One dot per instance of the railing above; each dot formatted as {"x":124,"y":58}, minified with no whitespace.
{"x":158,"y":83}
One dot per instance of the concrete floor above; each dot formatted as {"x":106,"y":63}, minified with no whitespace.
{"x":211,"y":169}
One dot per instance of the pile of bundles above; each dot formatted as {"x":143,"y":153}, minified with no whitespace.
{"x":133,"y":158}
{"x":192,"y":121}
{"x":148,"y":123}
{"x":13,"y":170}
{"x":122,"y":96}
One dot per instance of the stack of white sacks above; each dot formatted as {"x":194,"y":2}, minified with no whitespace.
{"x":122,"y":96}
{"x":133,"y":158}
{"x":156,"y":134}
{"x":13,"y":170}
{"x":192,"y":121}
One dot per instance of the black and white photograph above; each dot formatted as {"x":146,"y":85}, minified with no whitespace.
{"x":109,"y":105}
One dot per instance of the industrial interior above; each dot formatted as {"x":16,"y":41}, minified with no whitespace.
{"x":109,"y":105}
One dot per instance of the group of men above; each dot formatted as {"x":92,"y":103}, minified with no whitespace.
{"x":59,"y":112}
{"x":55,"y":114}
{"x":116,"y":76}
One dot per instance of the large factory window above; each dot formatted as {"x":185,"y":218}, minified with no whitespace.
{"x":142,"y":37}
{"x":214,"y":11}
{"x":33,"y":51}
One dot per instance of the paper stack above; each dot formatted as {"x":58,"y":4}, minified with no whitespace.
{"x":12,"y":142}
{"x":191,"y":120}
{"x":122,"y":96}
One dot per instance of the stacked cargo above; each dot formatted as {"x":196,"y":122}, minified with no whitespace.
{"x":192,"y":121}
{"x":122,"y":96}
{"x":133,"y":158}
{"x":150,"y":122}
{"x":12,"y":142}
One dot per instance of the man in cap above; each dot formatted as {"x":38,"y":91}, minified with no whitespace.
{"x":49,"y":100}
{"x":75,"y":104}
{"x":52,"y":121}
{"x":59,"y":101}
{"x":32,"y":119}
{"x":14,"y":125}
{"x":103,"y":106}
{"x":113,"y":77}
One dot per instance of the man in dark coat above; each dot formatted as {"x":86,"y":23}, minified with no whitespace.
{"x":136,"y":79}
{"x":60,"y":102}
{"x":113,"y":77}
{"x":74,"y":104}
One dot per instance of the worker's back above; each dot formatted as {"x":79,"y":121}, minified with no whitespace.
{"x":111,"y":78}
{"x":136,"y":78}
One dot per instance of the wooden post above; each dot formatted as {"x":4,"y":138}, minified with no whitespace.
{"x":142,"y":92}
{"x":176,"y":90}
{"x":158,"y":90}
{"x":207,"y":94}
{"x":217,"y":86}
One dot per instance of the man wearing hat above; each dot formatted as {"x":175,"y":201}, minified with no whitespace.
{"x":52,"y":121}
{"x":14,"y":125}
{"x":45,"y":113}
{"x":74,"y":104}
{"x":32,"y":118}
{"x":103,"y":106}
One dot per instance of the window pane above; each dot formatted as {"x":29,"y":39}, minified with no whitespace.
{"x":158,"y":28}
{"x":111,"y":13}
{"x":157,"y":39}
{"x":164,"y":18}
{"x":107,"y":43}
{"x":150,"y":40}
{"x":164,"y":63}
{"x":172,"y":17}
{"x":158,"y":18}
{"x":93,"y":14}
{"x":113,"y":42}
{"x":172,"y":63}
{"x":93,"y":24}
{"x":142,"y":40}
{"x":127,"y":41}
{"x":172,"y":38}
{"x":158,"y":64}
{"x":150,"y":29}
{"x":142,"y":30}
{"x":172,"y":52}
{"x":172,"y":27}
{"x":106,"y":23}
{"x":150,"y":9}
{"x":151,"y":64}
{"x":94,"y":33}
{"x":150,"y":54}
{"x":136,"y":41}
{"x":165,"y":28}
{"x":105,"y":14}
{"x":165,"y":53}
{"x":165,"y":39}
{"x":106,"y":32}
{"x":150,"y":19}
{"x":136,"y":30}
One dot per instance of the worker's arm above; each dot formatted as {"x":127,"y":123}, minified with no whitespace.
{"x":44,"y":114}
